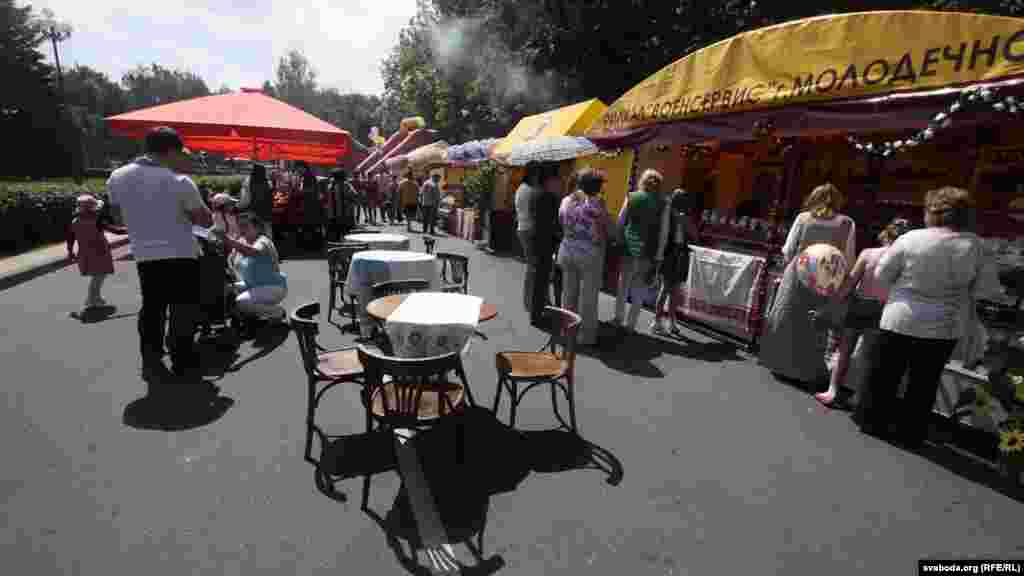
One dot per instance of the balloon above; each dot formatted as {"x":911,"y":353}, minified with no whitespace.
{"x":821,"y":268}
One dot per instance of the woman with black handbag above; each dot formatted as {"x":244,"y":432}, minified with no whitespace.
{"x":676,"y":230}
{"x":867,"y":296}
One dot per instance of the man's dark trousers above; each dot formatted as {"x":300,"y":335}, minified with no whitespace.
{"x":170,"y":291}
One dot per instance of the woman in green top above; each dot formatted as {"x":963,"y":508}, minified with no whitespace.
{"x":640,"y":222}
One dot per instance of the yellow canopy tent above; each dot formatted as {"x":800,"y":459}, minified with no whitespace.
{"x":568,"y":121}
{"x":851,"y":74}
{"x":864,"y":55}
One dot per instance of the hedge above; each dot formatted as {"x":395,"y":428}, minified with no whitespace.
{"x":37,"y":213}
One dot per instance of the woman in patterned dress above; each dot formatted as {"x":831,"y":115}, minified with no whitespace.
{"x":791,"y":346}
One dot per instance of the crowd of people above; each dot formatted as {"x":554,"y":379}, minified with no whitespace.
{"x":903,"y":306}
{"x":908,"y":301}
{"x":575,"y":233}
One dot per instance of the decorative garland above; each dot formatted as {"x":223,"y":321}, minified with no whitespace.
{"x":972,"y":99}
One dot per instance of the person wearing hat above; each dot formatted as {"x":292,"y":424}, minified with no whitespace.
{"x":94,"y":259}
{"x":159,"y":206}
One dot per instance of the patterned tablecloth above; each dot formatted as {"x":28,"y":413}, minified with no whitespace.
{"x":380,"y":241}
{"x":374,"y":266}
{"x":433,"y":323}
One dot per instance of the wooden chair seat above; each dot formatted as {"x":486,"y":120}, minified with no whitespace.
{"x":430,"y":404}
{"x":340,"y":363}
{"x":529,"y":365}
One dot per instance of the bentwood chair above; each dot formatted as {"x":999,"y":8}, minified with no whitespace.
{"x":553,"y":364}
{"x":412,"y":394}
{"x":454,"y":272}
{"x":325,"y":369}
{"x":339,"y":258}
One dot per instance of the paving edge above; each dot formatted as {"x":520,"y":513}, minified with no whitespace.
{"x":21,"y":276}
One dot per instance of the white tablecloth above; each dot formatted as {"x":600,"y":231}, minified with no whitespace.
{"x":374,"y":266}
{"x":432,"y":324}
{"x":380,"y":241}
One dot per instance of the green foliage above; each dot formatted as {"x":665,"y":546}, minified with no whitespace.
{"x":601,"y":49}
{"x":216,"y":184}
{"x":28,"y":103}
{"x":480,"y":185}
{"x":33,"y":213}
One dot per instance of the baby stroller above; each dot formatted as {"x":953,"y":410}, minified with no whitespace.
{"x":216,"y":279}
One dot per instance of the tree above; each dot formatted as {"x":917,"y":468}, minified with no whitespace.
{"x":457,"y":73}
{"x":296,"y":81}
{"x":152,"y":85}
{"x":356,"y":113}
{"x":28,"y":102}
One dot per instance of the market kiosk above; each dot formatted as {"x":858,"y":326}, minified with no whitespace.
{"x":885,"y":105}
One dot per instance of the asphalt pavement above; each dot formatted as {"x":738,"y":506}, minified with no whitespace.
{"x":724,"y":469}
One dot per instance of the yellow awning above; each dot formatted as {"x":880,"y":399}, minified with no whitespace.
{"x":569,"y":121}
{"x":856,"y":55}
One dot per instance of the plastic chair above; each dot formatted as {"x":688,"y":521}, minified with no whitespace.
{"x":554,"y":364}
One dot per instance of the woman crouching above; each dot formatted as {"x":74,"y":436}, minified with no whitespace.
{"x":263,"y":286}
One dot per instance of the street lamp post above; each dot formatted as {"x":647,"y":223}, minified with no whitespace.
{"x":59,"y":32}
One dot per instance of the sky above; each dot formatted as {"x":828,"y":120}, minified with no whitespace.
{"x":236,"y":43}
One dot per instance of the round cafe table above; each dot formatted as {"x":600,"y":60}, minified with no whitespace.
{"x":374,"y":266}
{"x":426,"y":324}
{"x":379,"y":241}
{"x":381,"y":308}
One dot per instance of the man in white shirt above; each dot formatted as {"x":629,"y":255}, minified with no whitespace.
{"x":159,"y":207}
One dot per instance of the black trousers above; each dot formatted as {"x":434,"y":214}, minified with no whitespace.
{"x":544,"y":263}
{"x":892,"y":356}
{"x":170,"y":291}
{"x":429,"y":219}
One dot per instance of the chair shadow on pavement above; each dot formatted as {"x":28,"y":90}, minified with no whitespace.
{"x":494,"y":459}
{"x":176,"y":407}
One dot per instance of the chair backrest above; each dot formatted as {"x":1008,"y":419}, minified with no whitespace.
{"x":394,"y":287}
{"x":429,"y":243}
{"x":564,"y":327}
{"x":408,"y":379}
{"x":339,"y":257}
{"x":455,"y":270}
{"x":305,"y":324}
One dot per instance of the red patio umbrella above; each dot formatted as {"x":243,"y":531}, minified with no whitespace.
{"x":246,"y":124}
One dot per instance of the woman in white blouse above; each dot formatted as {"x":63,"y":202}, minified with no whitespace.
{"x":931,"y":274}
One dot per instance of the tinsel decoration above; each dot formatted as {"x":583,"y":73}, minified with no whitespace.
{"x":974,"y":99}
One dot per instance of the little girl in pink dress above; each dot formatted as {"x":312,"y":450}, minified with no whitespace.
{"x":94,"y":257}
